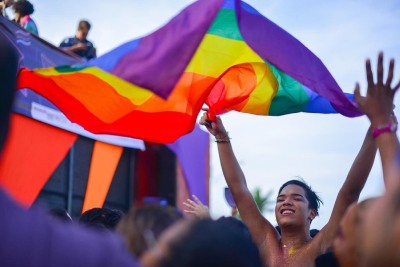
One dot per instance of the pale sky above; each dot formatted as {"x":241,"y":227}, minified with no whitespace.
{"x":271,"y":150}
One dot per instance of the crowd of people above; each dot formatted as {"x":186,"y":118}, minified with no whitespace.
{"x":78,"y":45}
{"x":356,"y":234}
{"x":22,"y":14}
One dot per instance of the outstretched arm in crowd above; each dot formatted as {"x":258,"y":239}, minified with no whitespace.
{"x":196,"y":207}
{"x":378,"y":106}
{"x":379,"y":235}
{"x":350,"y":190}
{"x":260,"y":229}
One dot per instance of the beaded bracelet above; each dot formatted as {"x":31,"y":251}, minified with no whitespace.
{"x":225,"y":139}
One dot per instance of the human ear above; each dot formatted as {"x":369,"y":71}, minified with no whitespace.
{"x":312,"y":214}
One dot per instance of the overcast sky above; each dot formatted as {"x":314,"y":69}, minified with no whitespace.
{"x":271,"y":150}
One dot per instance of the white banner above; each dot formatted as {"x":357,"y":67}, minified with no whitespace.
{"x":58,"y":119}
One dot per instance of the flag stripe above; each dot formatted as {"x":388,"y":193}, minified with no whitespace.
{"x":179,"y":110}
{"x":98,"y":96}
{"x":220,"y":53}
{"x":225,"y":25}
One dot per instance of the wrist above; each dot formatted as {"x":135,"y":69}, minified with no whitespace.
{"x":222,"y":138}
{"x":388,"y":127}
{"x":222,"y":135}
{"x":381,"y":121}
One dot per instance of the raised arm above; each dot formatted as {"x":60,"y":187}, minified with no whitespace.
{"x":379,"y":231}
{"x":196,"y":207}
{"x":351,"y":188}
{"x":378,"y":106}
{"x":259,"y":227}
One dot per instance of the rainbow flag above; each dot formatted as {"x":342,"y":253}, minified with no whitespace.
{"x":221,"y":53}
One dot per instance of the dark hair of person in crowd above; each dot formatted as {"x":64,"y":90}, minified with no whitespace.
{"x":60,"y":214}
{"x":314,"y":232}
{"x":101,"y":218}
{"x":84,"y":24}
{"x":142,"y":226}
{"x":326,"y":260}
{"x":236,"y":222}
{"x":221,"y":243}
{"x":23,"y":7}
{"x":313,"y":199}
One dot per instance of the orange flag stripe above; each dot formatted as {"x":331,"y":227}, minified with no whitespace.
{"x":105,"y":158}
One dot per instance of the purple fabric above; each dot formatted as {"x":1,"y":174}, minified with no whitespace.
{"x":31,"y":238}
{"x":290,"y":56}
{"x":192,"y":152}
{"x":108,"y":61}
{"x":162,"y":56}
{"x":229,"y":198}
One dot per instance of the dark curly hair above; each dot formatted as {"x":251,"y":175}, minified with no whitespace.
{"x":23,"y":7}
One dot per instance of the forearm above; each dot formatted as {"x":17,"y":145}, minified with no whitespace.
{"x":388,"y":144}
{"x":70,"y":49}
{"x":67,"y":49}
{"x":351,"y":189}
{"x":360,"y":168}
{"x":251,"y":216}
{"x":236,"y":181}
{"x":233,"y":174}
{"x":237,"y":184}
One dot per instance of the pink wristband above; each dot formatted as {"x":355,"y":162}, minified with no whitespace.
{"x":388,"y":128}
